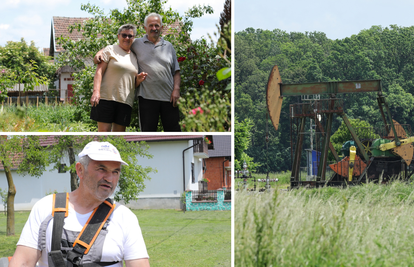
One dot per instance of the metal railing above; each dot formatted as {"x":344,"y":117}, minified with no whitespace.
{"x":227,"y":194}
{"x":207,"y":195}
{"x":33,"y":100}
{"x":200,"y":146}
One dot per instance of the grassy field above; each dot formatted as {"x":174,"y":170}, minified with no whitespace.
{"x":368,"y":225}
{"x":173,"y":238}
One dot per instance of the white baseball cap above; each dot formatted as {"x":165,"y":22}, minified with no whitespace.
{"x":102,"y":151}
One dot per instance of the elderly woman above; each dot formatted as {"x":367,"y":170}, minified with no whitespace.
{"x":114,"y":84}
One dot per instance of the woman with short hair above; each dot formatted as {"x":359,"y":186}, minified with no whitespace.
{"x":114,"y":84}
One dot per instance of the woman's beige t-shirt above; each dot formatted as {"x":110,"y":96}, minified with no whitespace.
{"x":118,"y":81}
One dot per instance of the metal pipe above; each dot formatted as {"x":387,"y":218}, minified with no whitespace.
{"x":224,"y":174}
{"x":184,"y":164}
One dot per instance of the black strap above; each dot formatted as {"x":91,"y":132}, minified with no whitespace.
{"x":92,"y":228}
{"x":58,"y":218}
{"x":57,"y":258}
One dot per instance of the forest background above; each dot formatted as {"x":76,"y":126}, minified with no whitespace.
{"x":385,"y":53}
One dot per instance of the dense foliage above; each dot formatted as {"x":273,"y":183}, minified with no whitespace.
{"x":23,"y":63}
{"x":375,"y":53}
{"x":199,"y":61}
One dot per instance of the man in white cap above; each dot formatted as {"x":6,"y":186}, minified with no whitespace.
{"x":119,"y":237}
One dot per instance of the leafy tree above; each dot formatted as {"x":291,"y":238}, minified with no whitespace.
{"x":209,"y":110}
{"x":242,"y":142}
{"x":5,"y":82}
{"x":24,"y":64}
{"x":33,"y":163}
{"x":225,"y":19}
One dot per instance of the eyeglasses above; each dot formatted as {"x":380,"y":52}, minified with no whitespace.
{"x":124,"y":35}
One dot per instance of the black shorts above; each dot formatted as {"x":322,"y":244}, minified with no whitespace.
{"x":112,"y":112}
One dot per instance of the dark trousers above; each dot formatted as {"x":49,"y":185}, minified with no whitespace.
{"x":149,"y":112}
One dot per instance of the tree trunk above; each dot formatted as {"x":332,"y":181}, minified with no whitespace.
{"x":73,"y":175}
{"x":10,"y":201}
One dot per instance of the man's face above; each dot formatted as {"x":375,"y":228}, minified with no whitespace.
{"x":101,"y":178}
{"x":153,"y":28}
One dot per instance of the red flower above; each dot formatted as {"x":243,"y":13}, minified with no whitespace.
{"x":181,"y":59}
{"x":194,"y":111}
{"x":201,"y":82}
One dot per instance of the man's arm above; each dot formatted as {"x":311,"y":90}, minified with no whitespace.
{"x":98,"y":57}
{"x":137,"y":263}
{"x":26,"y":256}
{"x":175,"y":95}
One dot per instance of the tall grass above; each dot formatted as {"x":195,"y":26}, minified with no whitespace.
{"x":44,"y":118}
{"x":367,"y":225}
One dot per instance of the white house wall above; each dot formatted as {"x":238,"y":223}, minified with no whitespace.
{"x":168,"y":160}
{"x":64,"y":84}
{"x":30,"y":189}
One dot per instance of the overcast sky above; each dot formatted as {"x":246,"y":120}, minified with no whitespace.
{"x":337,"y":19}
{"x":31,"y":19}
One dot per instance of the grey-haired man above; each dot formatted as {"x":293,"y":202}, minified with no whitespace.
{"x":120,"y":239}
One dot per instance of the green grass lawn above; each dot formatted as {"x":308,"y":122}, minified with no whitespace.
{"x":173,"y":238}
{"x":366,"y":225}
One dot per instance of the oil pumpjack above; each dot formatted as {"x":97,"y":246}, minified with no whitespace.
{"x":381,"y":157}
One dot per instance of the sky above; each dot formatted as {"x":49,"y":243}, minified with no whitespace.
{"x":337,"y":19}
{"x":31,"y":19}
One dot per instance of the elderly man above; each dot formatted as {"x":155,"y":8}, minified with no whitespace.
{"x":87,"y":228}
{"x":159,"y":92}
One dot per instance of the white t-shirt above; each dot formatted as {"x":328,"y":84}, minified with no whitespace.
{"x":124,"y":240}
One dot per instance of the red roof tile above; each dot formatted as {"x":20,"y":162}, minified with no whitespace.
{"x":60,"y":26}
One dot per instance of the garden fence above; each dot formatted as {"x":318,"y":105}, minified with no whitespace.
{"x":208,"y":200}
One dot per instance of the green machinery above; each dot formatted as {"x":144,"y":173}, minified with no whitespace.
{"x":365,"y":159}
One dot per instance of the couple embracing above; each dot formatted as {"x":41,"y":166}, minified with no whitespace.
{"x":149,"y":62}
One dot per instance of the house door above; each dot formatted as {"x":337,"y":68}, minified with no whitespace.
{"x":70,"y":93}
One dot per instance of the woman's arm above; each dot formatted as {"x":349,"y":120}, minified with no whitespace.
{"x":97,"y":80}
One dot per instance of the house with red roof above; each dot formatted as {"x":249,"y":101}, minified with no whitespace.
{"x":60,"y":27}
{"x":178,"y":159}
